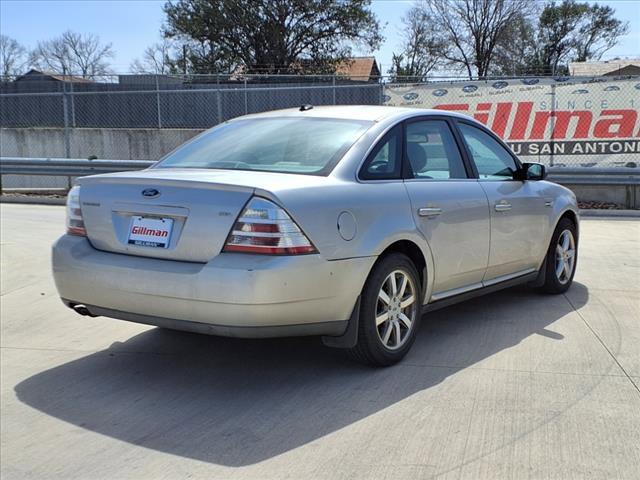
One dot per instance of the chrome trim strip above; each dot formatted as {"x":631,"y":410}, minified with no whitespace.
{"x":478,"y":285}
{"x":455,"y":291}
{"x":504,"y":278}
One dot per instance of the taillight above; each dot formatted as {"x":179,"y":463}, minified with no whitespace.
{"x":75,"y":224}
{"x":265,"y":228}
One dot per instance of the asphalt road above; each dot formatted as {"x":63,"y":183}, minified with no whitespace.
{"x":513,"y":385}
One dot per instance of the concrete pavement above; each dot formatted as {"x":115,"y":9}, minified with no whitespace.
{"x":512,"y":385}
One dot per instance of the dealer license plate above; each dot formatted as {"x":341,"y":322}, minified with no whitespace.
{"x":150,"y":232}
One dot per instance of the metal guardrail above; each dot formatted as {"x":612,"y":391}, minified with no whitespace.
{"x":595,"y":175}
{"x":67,"y":167}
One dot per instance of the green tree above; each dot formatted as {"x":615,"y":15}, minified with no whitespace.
{"x":598,"y":33}
{"x":575,"y":31}
{"x":515,"y":52}
{"x":271,"y":36}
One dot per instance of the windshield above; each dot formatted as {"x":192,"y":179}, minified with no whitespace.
{"x":285,"y":144}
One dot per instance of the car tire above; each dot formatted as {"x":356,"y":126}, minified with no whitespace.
{"x":562,"y":258}
{"x":390,"y":310}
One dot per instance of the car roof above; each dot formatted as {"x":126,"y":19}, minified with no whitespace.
{"x":374,"y":113}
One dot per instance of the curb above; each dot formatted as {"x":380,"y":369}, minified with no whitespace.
{"x":610,"y":213}
{"x":33,"y":200}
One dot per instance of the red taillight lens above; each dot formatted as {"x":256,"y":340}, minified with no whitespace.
{"x":75,"y":223}
{"x":265,"y":228}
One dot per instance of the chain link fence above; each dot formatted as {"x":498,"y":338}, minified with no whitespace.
{"x":562,"y":121}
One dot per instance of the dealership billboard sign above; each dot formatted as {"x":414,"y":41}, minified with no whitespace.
{"x":562,"y":121}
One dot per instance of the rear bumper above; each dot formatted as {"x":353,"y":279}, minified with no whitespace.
{"x":233,"y":295}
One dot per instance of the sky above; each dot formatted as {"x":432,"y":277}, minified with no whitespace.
{"x":132,"y":25}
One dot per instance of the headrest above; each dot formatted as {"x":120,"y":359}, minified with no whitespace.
{"x":417,"y":157}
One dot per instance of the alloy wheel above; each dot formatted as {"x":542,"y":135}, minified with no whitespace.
{"x":396,"y":309}
{"x":565,"y":256}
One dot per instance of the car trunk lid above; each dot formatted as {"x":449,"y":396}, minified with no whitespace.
{"x":157,"y":213}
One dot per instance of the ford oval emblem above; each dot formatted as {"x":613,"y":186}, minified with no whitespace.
{"x":150,"y":193}
{"x":469,"y":88}
{"x":410,"y":96}
{"x":440,"y":92}
{"x":580,"y":91}
{"x":386,"y":98}
{"x":530,"y":81}
{"x":637,"y":87}
{"x":612,"y":88}
{"x":499,"y":85}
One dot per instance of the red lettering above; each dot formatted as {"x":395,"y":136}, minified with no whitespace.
{"x":561,"y":124}
{"x":502,"y":117}
{"x":482,"y":112}
{"x":624,"y":124}
{"x":521,"y":121}
{"x":453,"y":106}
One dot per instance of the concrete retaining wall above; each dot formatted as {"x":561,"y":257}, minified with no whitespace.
{"x":125,"y":144}
{"x":121,"y":144}
{"x":625,"y":195}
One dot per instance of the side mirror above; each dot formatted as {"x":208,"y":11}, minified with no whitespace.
{"x":531,"y":171}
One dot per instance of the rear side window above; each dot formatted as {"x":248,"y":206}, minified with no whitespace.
{"x":492,"y":160}
{"x":385,"y":160}
{"x":432,"y":151}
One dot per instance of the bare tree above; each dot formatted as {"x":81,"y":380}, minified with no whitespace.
{"x":421,"y":47}
{"x":13,"y":56}
{"x":156,"y":59}
{"x":472,"y":29}
{"x":73,"y":53}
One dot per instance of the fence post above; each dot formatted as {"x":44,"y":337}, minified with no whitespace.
{"x":65,"y":114}
{"x":158,"y":101}
{"x":246,"y":100}
{"x":553,"y":126}
{"x":382,"y":91}
{"x":73,"y":107}
{"x":333,"y":78}
{"x":218,"y":98}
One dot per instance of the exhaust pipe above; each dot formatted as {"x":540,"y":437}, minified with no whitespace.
{"x":83,"y":310}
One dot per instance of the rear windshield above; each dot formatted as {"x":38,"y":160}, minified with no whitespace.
{"x":283,"y":144}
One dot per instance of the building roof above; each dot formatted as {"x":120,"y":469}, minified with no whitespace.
{"x":607,"y":67}
{"x":53,"y":76}
{"x":362,"y":69}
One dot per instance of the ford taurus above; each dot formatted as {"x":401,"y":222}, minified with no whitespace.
{"x":344,"y":222}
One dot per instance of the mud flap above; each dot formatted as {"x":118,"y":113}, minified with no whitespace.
{"x":350,"y":336}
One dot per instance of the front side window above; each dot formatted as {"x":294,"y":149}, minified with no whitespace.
{"x":309,"y":145}
{"x":432,"y":151}
{"x":492,"y":160}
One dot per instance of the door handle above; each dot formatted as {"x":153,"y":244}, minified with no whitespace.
{"x":548,"y":202}
{"x":429,"y":211}
{"x":503,"y":206}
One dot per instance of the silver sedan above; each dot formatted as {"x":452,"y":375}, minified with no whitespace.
{"x":345,"y":222}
